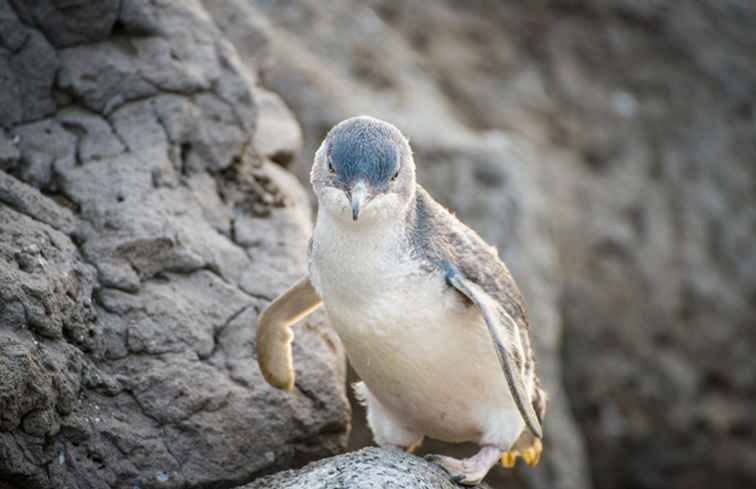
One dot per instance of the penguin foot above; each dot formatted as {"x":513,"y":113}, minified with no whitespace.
{"x":405,"y":448}
{"x":468,"y":471}
{"x":531,"y":454}
{"x":509,"y":458}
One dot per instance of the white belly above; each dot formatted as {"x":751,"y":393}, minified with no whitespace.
{"x":421,"y":351}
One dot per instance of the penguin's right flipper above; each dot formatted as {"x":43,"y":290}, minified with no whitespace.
{"x":273,"y":337}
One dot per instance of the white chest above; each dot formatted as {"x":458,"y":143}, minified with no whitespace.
{"x":416,"y":345}
{"x":369,"y":282}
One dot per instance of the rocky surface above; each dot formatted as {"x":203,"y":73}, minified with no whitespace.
{"x":607,"y":148}
{"x":143,"y":226}
{"x":369,"y":468}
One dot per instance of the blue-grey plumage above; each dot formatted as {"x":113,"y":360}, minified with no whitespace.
{"x":364,"y":149}
{"x":430,"y":317}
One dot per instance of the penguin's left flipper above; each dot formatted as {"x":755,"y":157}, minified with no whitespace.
{"x":498,"y":320}
{"x":273,"y":336}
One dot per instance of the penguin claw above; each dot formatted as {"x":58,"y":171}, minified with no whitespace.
{"x":469,"y":471}
{"x":532,"y":454}
{"x":530,"y":457}
{"x":509,"y":458}
{"x":457,"y":479}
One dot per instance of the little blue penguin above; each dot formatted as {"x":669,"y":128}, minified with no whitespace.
{"x":430,"y":317}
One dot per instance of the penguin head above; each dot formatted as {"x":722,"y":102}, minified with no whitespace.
{"x":364,"y":171}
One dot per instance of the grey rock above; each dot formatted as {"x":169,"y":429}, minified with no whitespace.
{"x":138,"y":17}
{"x":13,"y":34}
{"x":43,"y":145}
{"x":126,"y":317}
{"x":67,"y":23}
{"x":282,"y":225}
{"x":278,"y":136}
{"x":45,"y":292}
{"x":370,"y":468}
{"x":96,"y":139}
{"x":28,"y":63}
{"x":31,"y":202}
{"x":8,"y":152}
{"x":102,"y":76}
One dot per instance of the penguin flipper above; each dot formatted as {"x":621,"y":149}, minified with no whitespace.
{"x":498,"y":321}
{"x":273,"y":336}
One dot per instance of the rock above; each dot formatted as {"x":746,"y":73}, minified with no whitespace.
{"x":48,"y":321}
{"x":141,"y":234}
{"x":41,"y":145}
{"x":370,"y":468}
{"x":95,"y":136}
{"x":65,"y":24}
{"x":29,"y":201}
{"x":8,"y":152}
{"x":28,"y":63}
{"x":278,"y":137}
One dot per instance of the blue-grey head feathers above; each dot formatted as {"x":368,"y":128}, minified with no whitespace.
{"x":365,"y":148}
{"x":364,"y":171}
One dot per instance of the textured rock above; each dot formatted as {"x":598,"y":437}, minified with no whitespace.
{"x":46,"y":293}
{"x":370,"y":468}
{"x":31,"y":202}
{"x":66,"y":23}
{"x":142,"y":229}
{"x":278,"y":137}
{"x":8,"y":152}
{"x":28,"y":63}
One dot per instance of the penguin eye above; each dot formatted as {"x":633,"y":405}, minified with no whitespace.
{"x":395,"y":175}
{"x":330,"y":167}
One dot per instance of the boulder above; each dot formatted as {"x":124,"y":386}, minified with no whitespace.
{"x":369,"y":468}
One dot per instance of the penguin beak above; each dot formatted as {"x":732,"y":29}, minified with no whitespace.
{"x":358,"y":197}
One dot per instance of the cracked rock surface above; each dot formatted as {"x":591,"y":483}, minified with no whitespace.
{"x":369,"y":468}
{"x":143,"y":226}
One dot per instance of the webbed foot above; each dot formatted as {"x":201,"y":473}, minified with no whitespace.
{"x":468,"y":471}
{"x":405,"y":448}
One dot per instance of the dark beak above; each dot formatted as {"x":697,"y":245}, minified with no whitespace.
{"x":358,"y":197}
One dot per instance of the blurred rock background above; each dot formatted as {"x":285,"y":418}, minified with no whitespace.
{"x":607,"y":147}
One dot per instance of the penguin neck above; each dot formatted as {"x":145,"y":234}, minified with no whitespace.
{"x":372,"y":228}
{"x":373,"y":232}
